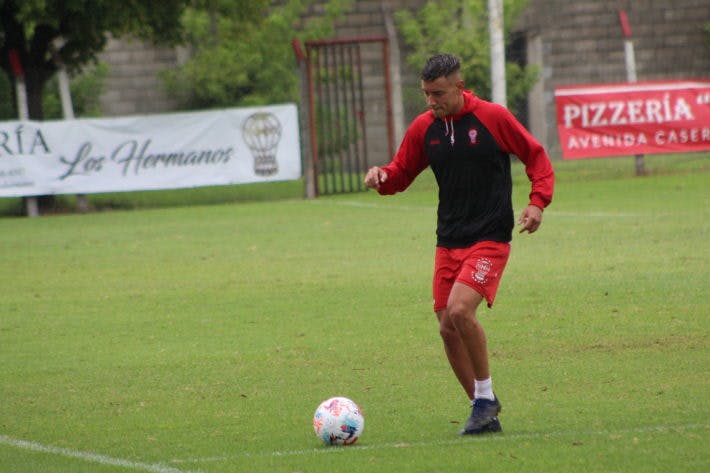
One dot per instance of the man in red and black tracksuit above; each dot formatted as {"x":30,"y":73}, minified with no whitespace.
{"x":467,"y":142}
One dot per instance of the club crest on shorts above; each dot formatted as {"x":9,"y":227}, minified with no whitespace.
{"x":483,"y":267}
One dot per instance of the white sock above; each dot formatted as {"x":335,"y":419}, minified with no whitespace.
{"x":483,"y":389}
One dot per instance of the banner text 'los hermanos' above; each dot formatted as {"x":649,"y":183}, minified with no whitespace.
{"x":167,"y":151}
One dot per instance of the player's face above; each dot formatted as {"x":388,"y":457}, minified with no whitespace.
{"x":444,"y":95}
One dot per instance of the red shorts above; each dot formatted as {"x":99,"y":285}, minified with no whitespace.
{"x":479,"y":266}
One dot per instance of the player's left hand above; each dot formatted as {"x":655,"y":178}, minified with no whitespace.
{"x":530,"y":219}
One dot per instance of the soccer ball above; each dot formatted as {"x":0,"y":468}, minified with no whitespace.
{"x":338,"y":421}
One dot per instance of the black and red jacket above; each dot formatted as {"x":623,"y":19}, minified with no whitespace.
{"x":469,"y":155}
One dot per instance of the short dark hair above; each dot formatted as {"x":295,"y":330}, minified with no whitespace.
{"x":440,"y":65}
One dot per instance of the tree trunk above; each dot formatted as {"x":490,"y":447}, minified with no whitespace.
{"x":37,"y":69}
{"x":34,"y":96}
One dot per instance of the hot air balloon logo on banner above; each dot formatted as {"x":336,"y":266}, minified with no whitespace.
{"x":262,"y":133}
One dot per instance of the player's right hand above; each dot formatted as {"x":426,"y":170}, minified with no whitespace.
{"x":374,"y":177}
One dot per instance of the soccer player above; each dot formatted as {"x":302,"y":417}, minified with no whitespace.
{"x":467,"y":142}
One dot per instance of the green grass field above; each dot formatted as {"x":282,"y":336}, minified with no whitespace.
{"x":203,"y":337}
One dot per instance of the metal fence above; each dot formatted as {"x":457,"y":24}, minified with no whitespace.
{"x":339,"y":100}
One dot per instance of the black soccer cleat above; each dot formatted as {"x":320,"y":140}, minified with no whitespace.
{"x":484,"y":418}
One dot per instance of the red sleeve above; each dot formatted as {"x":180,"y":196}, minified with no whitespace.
{"x":513,"y":138}
{"x":410,"y":159}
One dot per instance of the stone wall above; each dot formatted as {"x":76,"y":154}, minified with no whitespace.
{"x":581,"y":42}
{"x":133,"y":86}
{"x":572,"y":42}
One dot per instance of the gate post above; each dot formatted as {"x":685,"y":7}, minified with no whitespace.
{"x":309,"y":173}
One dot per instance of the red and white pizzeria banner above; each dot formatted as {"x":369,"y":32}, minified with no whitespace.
{"x":633,"y":118}
{"x":168,"y":151}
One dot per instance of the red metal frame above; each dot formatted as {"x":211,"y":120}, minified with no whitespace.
{"x":309,"y":58}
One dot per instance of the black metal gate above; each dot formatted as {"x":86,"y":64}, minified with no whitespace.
{"x":339,"y":93}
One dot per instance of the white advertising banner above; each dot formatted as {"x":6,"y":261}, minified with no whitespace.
{"x":220,"y":147}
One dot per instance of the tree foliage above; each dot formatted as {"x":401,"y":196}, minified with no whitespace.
{"x":461,"y":28}
{"x":235,"y":62}
{"x":43,"y":32}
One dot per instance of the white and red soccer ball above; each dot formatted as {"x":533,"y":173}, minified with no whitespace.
{"x":338,"y":421}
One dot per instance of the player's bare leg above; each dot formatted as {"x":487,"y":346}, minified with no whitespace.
{"x":461,"y":309}
{"x":456,"y":352}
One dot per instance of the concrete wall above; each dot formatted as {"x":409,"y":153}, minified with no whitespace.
{"x":133,"y":86}
{"x":572,"y":42}
{"x":581,"y":43}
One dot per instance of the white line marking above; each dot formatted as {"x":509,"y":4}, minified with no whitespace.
{"x":446,"y":442}
{"x":88,"y":456}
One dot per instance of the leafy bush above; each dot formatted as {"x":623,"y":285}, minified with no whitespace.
{"x":236,"y":62}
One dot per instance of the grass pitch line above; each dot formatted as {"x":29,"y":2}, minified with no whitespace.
{"x":443,"y":443}
{"x":89,"y":456}
{"x":556,"y":213}
{"x":368,"y":205}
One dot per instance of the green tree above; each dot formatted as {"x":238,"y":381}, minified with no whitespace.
{"x":236,"y":62}
{"x":461,"y":28}
{"x":75,"y":31}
